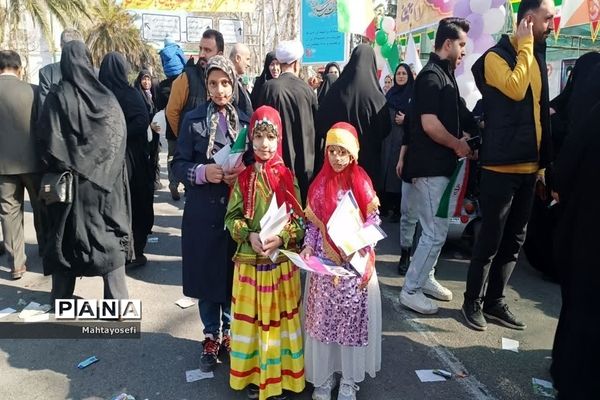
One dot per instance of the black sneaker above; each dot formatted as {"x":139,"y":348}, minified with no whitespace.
{"x":252,"y":391}
{"x":210,"y":351}
{"x":502,"y":314}
{"x":282,"y":396}
{"x":404,"y":261}
{"x":471,"y":310}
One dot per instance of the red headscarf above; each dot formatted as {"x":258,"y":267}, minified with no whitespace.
{"x":323,"y":192}
{"x":278,"y":176}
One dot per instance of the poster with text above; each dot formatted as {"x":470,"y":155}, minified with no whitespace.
{"x":320,"y":37}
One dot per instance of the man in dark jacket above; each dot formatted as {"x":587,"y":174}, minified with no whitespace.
{"x":19,"y":160}
{"x":436,"y":143}
{"x":240,"y":57}
{"x":513,"y":80}
{"x":50,"y":74}
{"x":188,"y":90}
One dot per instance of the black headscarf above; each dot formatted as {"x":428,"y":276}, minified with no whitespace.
{"x":328,"y":68}
{"x":575,"y":83}
{"x":262,"y":79}
{"x":113,"y":74}
{"x":92,"y":144}
{"x":146,"y":94}
{"x":399,"y":96}
{"x":328,"y":81}
{"x":356,"y":98}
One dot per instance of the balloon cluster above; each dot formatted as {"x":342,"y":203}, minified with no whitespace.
{"x":386,"y":48}
{"x":486,"y":17}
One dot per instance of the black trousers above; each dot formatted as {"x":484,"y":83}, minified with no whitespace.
{"x":115,"y":286}
{"x":505,"y":201}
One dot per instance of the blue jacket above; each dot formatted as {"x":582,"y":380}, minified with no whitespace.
{"x":172,"y":59}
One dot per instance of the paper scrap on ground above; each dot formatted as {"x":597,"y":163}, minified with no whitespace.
{"x":510,"y":345}
{"x":273,"y":222}
{"x":5,"y":269}
{"x":124,"y":396}
{"x":87,"y":362}
{"x":6,"y":312}
{"x":316,"y":265}
{"x":346,"y":227}
{"x":32,"y":309}
{"x":21,"y":302}
{"x":152,"y":239}
{"x":185,"y":302}
{"x":196,"y":375}
{"x":427,"y":375}
{"x":37,"y":318}
{"x":543,"y":388}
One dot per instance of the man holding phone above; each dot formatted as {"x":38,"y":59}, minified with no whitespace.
{"x":516,"y":146}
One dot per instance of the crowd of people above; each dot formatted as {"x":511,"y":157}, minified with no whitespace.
{"x":84,"y":146}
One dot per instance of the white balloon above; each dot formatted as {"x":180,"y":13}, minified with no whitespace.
{"x":493,"y":20}
{"x":469,"y":60}
{"x":388,"y":24}
{"x":480,"y":6}
{"x":391,"y":37}
{"x":472,"y":99}
{"x":470,"y":46}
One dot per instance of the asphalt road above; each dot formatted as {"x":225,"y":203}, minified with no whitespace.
{"x":154,"y":366}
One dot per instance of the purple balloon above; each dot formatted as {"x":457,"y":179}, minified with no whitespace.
{"x":462,"y":8}
{"x":498,"y":3}
{"x":476,"y":29}
{"x":484,"y":42}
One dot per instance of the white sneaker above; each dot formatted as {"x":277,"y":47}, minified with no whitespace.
{"x":323,"y":392}
{"x":347,"y":390}
{"x":418,"y":302}
{"x":434,"y":289}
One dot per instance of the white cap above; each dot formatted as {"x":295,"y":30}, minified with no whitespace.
{"x":289,"y":51}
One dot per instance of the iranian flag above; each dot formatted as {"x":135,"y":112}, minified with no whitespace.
{"x":452,"y":199}
{"x":355,"y":16}
{"x":237,"y":150}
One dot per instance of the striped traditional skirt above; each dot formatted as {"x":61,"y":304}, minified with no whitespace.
{"x":266,"y":345}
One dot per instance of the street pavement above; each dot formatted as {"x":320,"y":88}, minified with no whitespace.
{"x":154,"y":367}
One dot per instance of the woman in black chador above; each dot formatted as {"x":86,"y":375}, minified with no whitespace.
{"x":113,"y":74}
{"x":82,"y":130}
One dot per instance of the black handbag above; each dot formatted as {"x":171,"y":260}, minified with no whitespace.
{"x":57,"y":187}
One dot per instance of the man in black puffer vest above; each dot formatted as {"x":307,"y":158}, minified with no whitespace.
{"x":516,"y":147}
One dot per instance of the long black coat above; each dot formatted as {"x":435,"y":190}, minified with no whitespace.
{"x":206,"y":246}
{"x":577,"y":180}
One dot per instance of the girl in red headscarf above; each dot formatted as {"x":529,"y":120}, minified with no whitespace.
{"x":266,"y":346}
{"x":342,"y":314}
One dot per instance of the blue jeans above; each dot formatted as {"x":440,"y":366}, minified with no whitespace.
{"x":212,"y":315}
{"x":428,"y":194}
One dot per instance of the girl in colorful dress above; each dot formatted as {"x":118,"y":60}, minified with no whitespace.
{"x":266,"y":348}
{"x":342,"y":314}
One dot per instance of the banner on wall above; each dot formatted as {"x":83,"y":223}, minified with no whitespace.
{"x":414,"y":15}
{"x":236,"y":6}
{"x":320,"y":37}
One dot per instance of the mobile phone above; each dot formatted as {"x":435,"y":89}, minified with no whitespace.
{"x":474,"y":142}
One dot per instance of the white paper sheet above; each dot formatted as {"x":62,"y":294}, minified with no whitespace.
{"x":196,"y":375}
{"x":222,"y":155}
{"x":346,"y":228}
{"x":427,"y":375}
{"x":37,"y":318}
{"x":32,"y":309}
{"x":185,"y":302}
{"x":316,"y":265}
{"x":510,"y":345}
{"x":6,"y":312}
{"x":272,"y":223}
{"x":543,"y":388}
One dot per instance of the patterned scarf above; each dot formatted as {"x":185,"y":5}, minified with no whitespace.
{"x":212,"y":115}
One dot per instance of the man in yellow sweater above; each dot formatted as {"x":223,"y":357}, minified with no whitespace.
{"x":516,"y":146}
